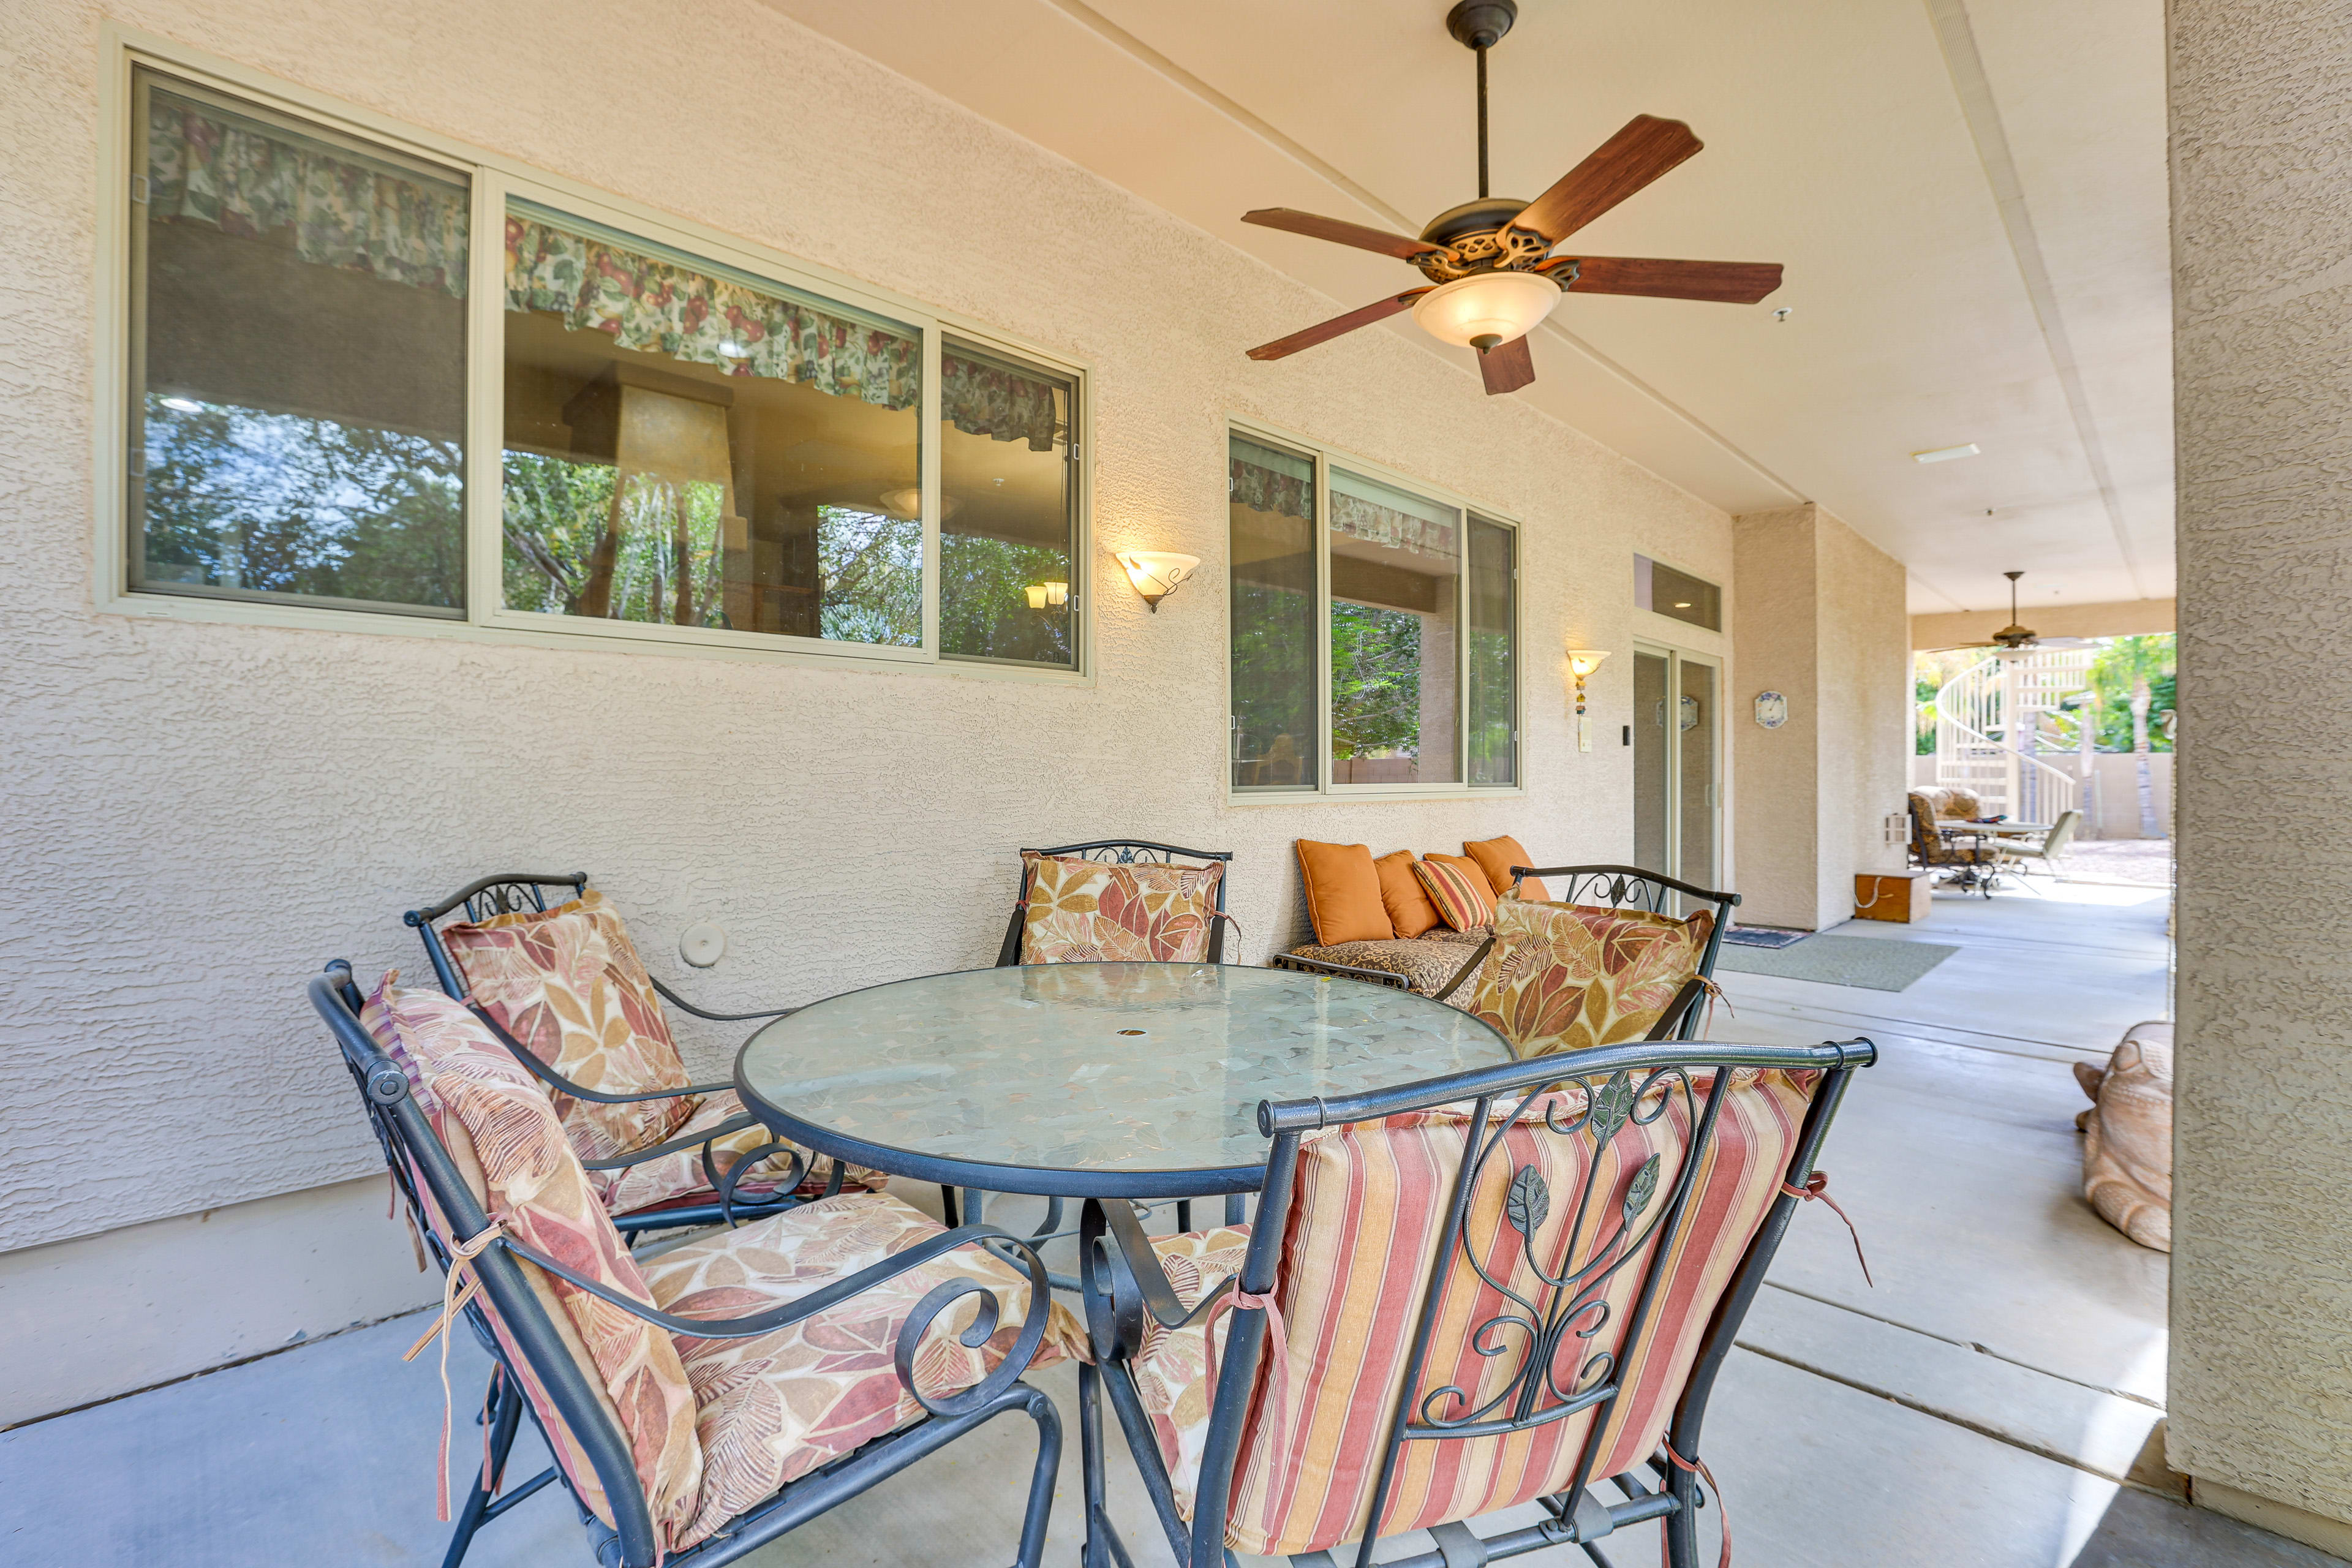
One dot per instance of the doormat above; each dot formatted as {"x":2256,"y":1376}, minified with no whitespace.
{"x":1866,"y":962}
{"x":1764,"y":936}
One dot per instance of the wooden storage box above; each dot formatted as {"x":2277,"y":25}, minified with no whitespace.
{"x":1905,"y":897}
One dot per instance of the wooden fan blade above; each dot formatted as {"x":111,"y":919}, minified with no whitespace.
{"x":1729,"y":282}
{"x":1338,"y":231}
{"x":1324,"y":331}
{"x":1646,"y":148}
{"x":1508,"y":366}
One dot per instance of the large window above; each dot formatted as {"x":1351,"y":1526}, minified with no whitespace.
{"x":685,"y":440}
{"x":297,"y":362}
{"x":1376,"y":651}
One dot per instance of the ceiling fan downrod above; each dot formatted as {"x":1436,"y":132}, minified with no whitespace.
{"x":1478,"y":26}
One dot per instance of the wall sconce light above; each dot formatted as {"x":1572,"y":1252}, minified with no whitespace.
{"x":1156,"y":574}
{"x":1582,"y":662}
{"x":1043,"y":594}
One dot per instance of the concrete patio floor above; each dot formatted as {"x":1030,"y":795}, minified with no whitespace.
{"x":1981,"y":1405}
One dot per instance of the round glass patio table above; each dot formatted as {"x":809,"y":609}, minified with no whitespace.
{"x":1135,"y":1080}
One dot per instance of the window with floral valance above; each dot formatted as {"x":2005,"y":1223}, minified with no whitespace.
{"x":692,"y":447}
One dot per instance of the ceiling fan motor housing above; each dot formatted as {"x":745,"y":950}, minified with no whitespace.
{"x":1481,"y":24}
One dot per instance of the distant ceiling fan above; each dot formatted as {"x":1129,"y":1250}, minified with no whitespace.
{"x":2016,"y":638}
{"x":1493,"y":274}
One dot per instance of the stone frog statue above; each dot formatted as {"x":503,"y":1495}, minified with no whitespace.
{"x":2128,"y":1135}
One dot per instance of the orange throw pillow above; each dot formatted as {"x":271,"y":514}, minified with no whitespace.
{"x":1409,"y":908}
{"x":1496,"y":857}
{"x":1458,"y":889}
{"x":1343,"y":893}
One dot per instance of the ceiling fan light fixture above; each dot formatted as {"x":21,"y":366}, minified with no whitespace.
{"x":1495,"y":307}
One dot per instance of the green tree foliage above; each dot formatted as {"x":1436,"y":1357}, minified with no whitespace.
{"x":984,"y":611}
{"x":2123,"y":662}
{"x":239,"y":498}
{"x":1375,"y":681}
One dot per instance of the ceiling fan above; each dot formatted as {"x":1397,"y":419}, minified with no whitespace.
{"x":2015,"y":639}
{"x":1493,"y":274}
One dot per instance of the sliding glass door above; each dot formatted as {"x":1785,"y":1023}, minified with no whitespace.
{"x":1677,"y":767}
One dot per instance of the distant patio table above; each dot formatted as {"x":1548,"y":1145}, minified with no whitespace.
{"x":1072,"y":1080}
{"x":1992,"y":828}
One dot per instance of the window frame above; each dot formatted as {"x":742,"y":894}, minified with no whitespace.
{"x":1326,"y":457}
{"x":494,"y":178}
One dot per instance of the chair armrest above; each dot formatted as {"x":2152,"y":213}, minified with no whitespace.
{"x":1121,"y":1279}
{"x":679,"y":1001}
{"x":910,"y":1333}
{"x":563,"y":1085}
{"x":1291,"y":961}
{"x":1469,"y":967}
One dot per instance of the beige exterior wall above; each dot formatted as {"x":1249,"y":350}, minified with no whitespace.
{"x":1820,"y":619}
{"x":2262,"y":1282}
{"x":2123,"y":618}
{"x":197,"y":815}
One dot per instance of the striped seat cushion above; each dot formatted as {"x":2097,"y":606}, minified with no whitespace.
{"x":1366,"y":1217}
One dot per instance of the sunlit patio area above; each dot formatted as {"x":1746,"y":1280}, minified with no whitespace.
{"x":1107,"y":784}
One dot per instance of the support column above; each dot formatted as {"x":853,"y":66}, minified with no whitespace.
{"x":1819,"y":617}
{"x":2260,"y":1405}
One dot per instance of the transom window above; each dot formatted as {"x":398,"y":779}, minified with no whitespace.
{"x":690,"y":449}
{"x":1375,"y":648}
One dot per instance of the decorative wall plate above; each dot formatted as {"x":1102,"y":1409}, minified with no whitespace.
{"x":1771,"y":709}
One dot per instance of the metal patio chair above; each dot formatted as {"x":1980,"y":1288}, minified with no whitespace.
{"x":504,"y":1290}
{"x":1556,"y":1281}
{"x":710,"y":1195}
{"x":1106,"y":852}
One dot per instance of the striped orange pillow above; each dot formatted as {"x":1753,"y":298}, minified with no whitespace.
{"x":1458,"y":889}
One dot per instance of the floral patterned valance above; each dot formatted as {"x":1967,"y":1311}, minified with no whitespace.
{"x":984,"y":399}
{"x":1395,"y":519}
{"x":658,"y":307}
{"x":1287,"y":490}
{"x":232,"y":174}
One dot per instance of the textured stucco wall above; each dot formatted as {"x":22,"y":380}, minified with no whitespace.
{"x":2261,"y":1283}
{"x":1776,"y":772}
{"x":1865,"y":702}
{"x":191,"y":817}
{"x":1820,"y":621}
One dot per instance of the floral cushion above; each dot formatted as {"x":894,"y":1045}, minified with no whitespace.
{"x":772,"y":1409}
{"x":496,"y":1122}
{"x":567,"y":985}
{"x":1171,"y":1367}
{"x":1564,"y":977}
{"x":1083,"y":911}
{"x":1427,"y":962}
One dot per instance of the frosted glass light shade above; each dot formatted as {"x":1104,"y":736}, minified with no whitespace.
{"x":1157,"y":573}
{"x":1497,"y":305}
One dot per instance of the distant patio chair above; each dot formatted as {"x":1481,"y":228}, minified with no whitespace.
{"x":686,"y":1437}
{"x":564,"y":990}
{"x":1972,"y":867}
{"x":1553,"y":1286}
{"x":2049,"y":847}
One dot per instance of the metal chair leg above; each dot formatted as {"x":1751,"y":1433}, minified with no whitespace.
{"x":1682,"y":1525}
{"x":503,"y":1405}
{"x":1103,"y":1548}
{"x":1041,"y":1480}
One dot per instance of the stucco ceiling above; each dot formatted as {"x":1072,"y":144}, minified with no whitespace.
{"x":1968,"y":195}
